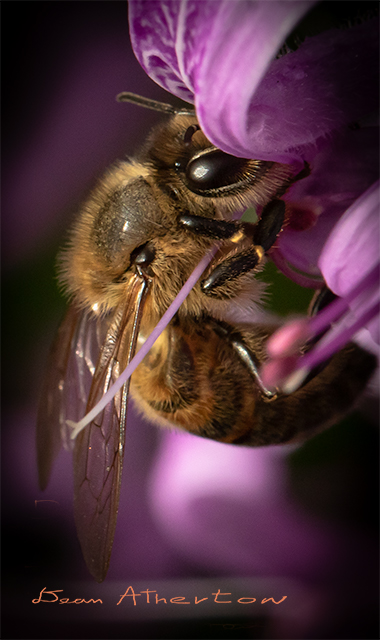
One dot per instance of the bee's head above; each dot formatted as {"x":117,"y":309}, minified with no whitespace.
{"x":131,"y":220}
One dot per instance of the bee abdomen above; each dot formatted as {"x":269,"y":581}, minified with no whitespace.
{"x":190,"y":382}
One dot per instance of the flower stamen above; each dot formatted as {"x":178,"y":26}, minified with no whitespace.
{"x":288,"y":371}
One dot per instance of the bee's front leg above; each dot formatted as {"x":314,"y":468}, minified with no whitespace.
{"x":262,"y":236}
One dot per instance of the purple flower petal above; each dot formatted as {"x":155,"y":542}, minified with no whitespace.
{"x":309,"y":93}
{"x":220,"y":51}
{"x":339,"y":175}
{"x":350,"y":263}
{"x":230,"y":507}
{"x":352,"y":251}
{"x":195,"y":49}
{"x":153,"y":29}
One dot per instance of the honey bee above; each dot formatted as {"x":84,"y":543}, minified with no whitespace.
{"x":137,"y":239}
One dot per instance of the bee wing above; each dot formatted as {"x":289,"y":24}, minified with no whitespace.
{"x":66,"y":386}
{"x":99,"y":447}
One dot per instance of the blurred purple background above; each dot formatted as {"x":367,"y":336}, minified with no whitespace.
{"x":191,"y":510}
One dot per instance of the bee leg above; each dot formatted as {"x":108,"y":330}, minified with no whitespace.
{"x":246,"y":260}
{"x":263,"y":233}
{"x":322,"y":298}
{"x":231,"y":269}
{"x":216,"y":229}
{"x":315,"y":406}
{"x":270,"y":224}
{"x":245,"y":355}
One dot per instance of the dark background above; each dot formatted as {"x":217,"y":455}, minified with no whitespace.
{"x":63,"y":64}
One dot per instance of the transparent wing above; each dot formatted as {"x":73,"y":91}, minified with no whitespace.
{"x":89,"y":336}
{"x":99,"y":448}
{"x":66,"y":385}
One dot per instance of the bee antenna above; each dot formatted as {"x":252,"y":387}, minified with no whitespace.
{"x":125,"y":96}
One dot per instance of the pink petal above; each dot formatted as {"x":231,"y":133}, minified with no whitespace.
{"x":352,"y":251}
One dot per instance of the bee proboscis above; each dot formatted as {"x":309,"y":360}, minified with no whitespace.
{"x":138,"y":237}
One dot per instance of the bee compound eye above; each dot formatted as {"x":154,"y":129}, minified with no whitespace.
{"x":214,"y":169}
